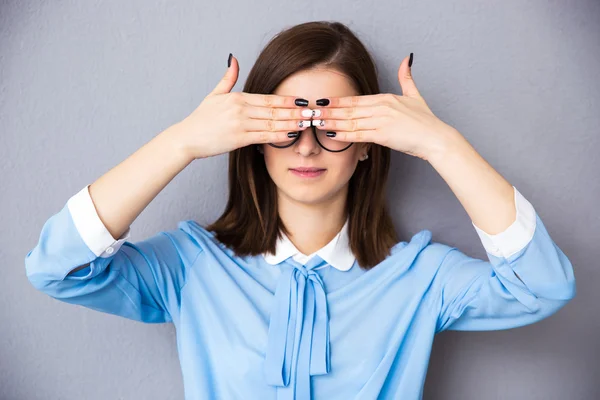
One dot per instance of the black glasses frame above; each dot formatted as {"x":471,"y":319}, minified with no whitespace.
{"x":314,"y":131}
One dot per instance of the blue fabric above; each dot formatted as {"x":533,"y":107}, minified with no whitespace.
{"x":284,"y":336}
{"x":250,"y":330}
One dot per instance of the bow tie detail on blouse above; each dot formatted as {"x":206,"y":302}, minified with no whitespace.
{"x":299,"y":325}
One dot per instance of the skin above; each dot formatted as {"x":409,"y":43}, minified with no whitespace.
{"x":313,"y":208}
{"x":406,"y":124}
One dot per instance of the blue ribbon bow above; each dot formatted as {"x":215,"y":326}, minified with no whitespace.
{"x":309,"y":338}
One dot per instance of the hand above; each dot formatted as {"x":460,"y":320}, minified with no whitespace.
{"x":226,"y":121}
{"x":403,"y":123}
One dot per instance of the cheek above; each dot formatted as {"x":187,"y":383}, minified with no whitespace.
{"x":343,"y":169}
{"x":349,"y":162}
{"x":349,"y":170}
{"x":275,"y":163}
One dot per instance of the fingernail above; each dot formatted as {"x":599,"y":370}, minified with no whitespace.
{"x":331,"y":134}
{"x":229,"y":60}
{"x":322,"y":102}
{"x":319,"y":122}
{"x":301,"y":102}
{"x":410,"y":60}
{"x":292,"y":134}
{"x":304,"y":124}
{"x":311,"y":113}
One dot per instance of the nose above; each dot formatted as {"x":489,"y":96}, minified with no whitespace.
{"x":307,"y":144}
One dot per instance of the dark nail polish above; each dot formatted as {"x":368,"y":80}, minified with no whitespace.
{"x":323,"y":102}
{"x":229,"y":60}
{"x":410,"y":60}
{"x":331,"y":134}
{"x":292,"y":134}
{"x":301,"y":102}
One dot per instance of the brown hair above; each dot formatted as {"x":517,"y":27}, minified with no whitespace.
{"x":250,"y":224}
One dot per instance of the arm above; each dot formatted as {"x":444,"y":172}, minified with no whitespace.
{"x":485,"y":195}
{"x":137,"y":181}
{"x":502,"y":292}
{"x":527,"y":277}
{"x":77,"y":259}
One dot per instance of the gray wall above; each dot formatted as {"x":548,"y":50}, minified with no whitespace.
{"x":86,"y":83}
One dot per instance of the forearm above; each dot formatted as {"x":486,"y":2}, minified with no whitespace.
{"x":485,"y":195}
{"x":121,"y":194}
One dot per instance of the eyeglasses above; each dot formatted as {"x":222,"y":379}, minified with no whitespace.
{"x":334,"y":146}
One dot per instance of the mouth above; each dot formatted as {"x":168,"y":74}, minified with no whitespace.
{"x":307,"y":172}
{"x":304,"y":169}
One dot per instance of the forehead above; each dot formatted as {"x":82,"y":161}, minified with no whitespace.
{"x":316,"y":84}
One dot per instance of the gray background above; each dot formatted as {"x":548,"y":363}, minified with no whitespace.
{"x":86,"y":83}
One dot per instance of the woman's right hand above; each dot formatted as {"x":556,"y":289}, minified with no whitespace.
{"x":226,"y":121}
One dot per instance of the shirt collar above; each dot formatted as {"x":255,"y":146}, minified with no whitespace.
{"x":336,"y":253}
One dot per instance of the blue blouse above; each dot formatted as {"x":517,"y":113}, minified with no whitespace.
{"x":292,"y":326}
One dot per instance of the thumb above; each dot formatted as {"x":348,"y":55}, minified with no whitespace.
{"x":409,"y":88}
{"x":229,"y":79}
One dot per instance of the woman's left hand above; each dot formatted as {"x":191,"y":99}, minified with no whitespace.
{"x":403,"y":123}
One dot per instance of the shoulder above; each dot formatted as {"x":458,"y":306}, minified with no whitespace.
{"x":422,"y":248}
{"x":198,"y":235}
{"x":421,"y":255}
{"x":432,"y":255}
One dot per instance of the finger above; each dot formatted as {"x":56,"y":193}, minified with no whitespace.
{"x":269,"y":125}
{"x":270,"y":100}
{"x":352,"y":112}
{"x":277,"y":113}
{"x":368,"y":135}
{"x":358,"y":101}
{"x":409,"y":88}
{"x":229,"y":79}
{"x":259,"y":137}
{"x":347,"y":125}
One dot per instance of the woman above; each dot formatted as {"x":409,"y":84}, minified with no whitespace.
{"x":301,"y":289}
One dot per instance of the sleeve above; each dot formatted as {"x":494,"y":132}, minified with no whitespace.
{"x":140,"y":281}
{"x":516,"y":236}
{"x":527,"y":278}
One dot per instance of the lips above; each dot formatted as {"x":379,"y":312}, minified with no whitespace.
{"x":304,"y":169}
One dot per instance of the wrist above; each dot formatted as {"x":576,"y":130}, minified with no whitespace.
{"x":446,"y":143}
{"x":173,"y":137}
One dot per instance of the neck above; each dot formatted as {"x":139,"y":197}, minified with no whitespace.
{"x":312,"y":226}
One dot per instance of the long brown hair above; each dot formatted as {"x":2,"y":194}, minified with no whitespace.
{"x":250,"y":224}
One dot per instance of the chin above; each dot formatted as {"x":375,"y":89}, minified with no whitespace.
{"x":308,"y":195}
{"x":307,"y":198}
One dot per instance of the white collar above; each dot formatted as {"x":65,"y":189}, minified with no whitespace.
{"x":336,"y":253}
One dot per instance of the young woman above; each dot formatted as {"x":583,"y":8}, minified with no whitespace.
{"x":301,"y":289}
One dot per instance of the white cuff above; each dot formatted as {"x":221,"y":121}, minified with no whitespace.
{"x":90,"y":227}
{"x":518,"y":235}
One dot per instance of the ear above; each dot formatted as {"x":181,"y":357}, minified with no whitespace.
{"x":363,"y":150}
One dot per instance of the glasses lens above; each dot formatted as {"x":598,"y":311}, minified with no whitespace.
{"x":284,"y":143}
{"x":326,"y":142}
{"x":329,"y":143}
